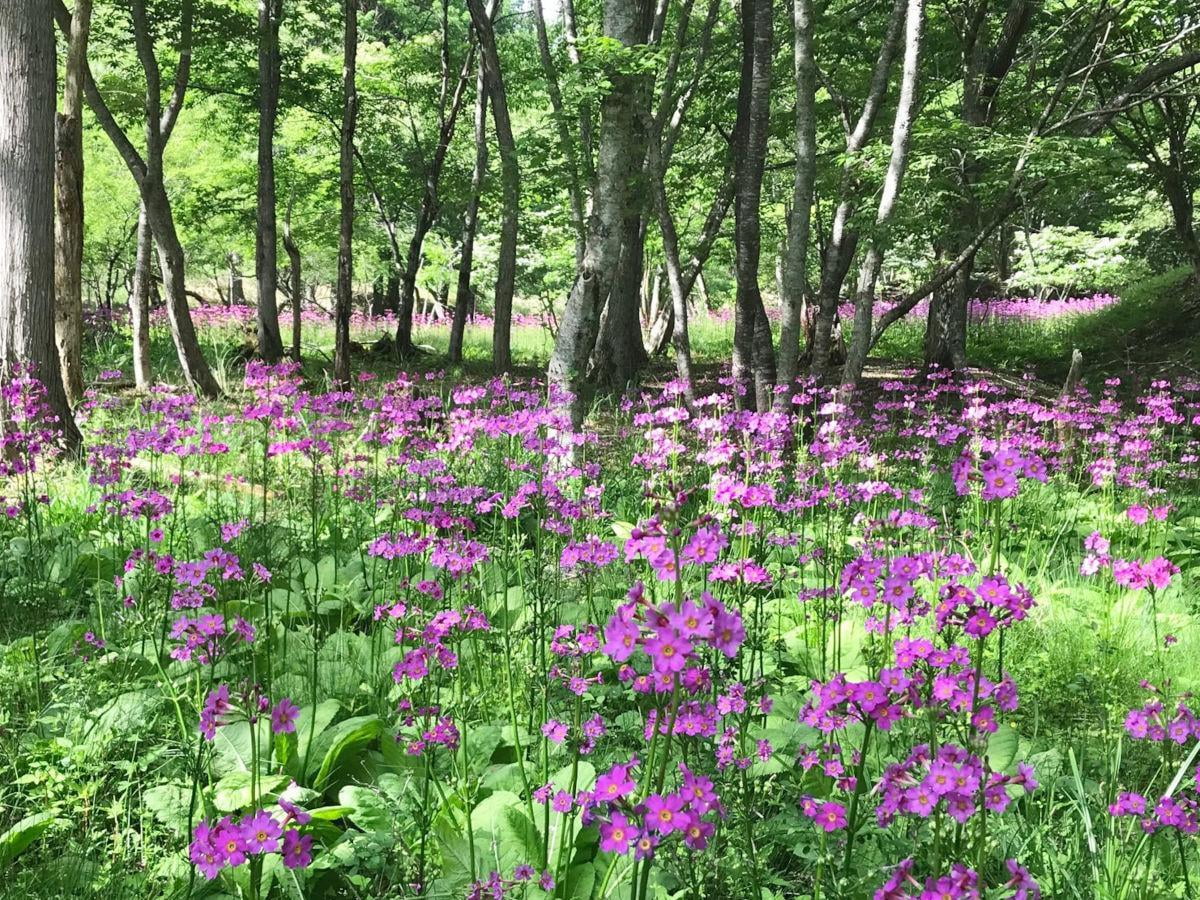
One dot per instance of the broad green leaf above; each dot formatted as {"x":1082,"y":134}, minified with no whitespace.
{"x":18,"y":838}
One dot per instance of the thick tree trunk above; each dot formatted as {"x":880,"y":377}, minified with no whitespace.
{"x":753,"y":354}
{"x":946,"y":327}
{"x":68,"y":263}
{"x":626,"y":21}
{"x":984,"y":68}
{"x":620,"y":351}
{"x":1179,"y":196}
{"x":795,"y":256}
{"x":139,"y":302}
{"x":510,"y":187}
{"x":266,"y":253}
{"x":345,"y":269}
{"x":27,"y":102}
{"x":868,"y":275}
{"x":464,"y":295}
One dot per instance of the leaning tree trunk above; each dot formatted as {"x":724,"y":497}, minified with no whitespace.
{"x":839,"y":248}
{"x":795,"y":257}
{"x":68,"y":267}
{"x":147,"y":171}
{"x":626,"y":21}
{"x":345,"y":266}
{"x":753,"y":355}
{"x":429,"y":202}
{"x":464,"y":294}
{"x":139,"y":302}
{"x":171,"y":261}
{"x":864,"y":300}
{"x":266,"y":252}
{"x":510,"y":189}
{"x":27,"y":88}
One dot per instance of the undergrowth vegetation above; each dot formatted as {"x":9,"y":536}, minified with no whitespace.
{"x":418,"y":639}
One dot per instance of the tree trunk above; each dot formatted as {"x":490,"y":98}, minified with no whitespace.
{"x":429,"y":203}
{"x":620,"y":352}
{"x":566,"y":143}
{"x":1179,"y":195}
{"x":237,"y":291}
{"x":946,"y":327}
{"x":795,"y":256}
{"x":345,"y":268}
{"x":464,"y":298}
{"x":839,"y":250}
{"x":266,"y":253}
{"x":171,"y":261}
{"x":680,"y":338}
{"x":626,"y":21}
{"x":27,"y":110}
{"x":68,"y":268}
{"x":753,"y":354}
{"x":139,"y":302}
{"x":147,"y":171}
{"x":510,"y":187}
{"x":864,"y":301}
{"x":295,"y":275}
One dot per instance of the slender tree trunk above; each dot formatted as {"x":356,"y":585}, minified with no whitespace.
{"x":429,"y":203}
{"x":464,"y":292}
{"x":587,"y":148}
{"x":753,"y":354}
{"x":147,"y":171}
{"x":237,"y":291}
{"x":868,"y":274}
{"x":27,"y":110}
{"x":510,"y":188}
{"x":345,"y":269}
{"x":566,"y":142}
{"x":68,"y":267}
{"x":839,"y":249}
{"x":795,"y":256}
{"x":626,"y":21}
{"x":171,"y":261}
{"x":680,"y":338}
{"x":266,"y":253}
{"x":295,"y":276}
{"x":139,"y":302}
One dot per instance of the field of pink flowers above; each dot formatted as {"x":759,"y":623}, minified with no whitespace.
{"x":936,"y":640}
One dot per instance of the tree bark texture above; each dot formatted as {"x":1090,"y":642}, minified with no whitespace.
{"x":345,"y":267}
{"x":753,"y":354}
{"x":266,"y":252}
{"x":626,"y":21}
{"x":139,"y":302}
{"x":68,"y":171}
{"x":795,"y":255}
{"x":464,"y":294}
{"x":868,"y":274}
{"x":510,"y":188}
{"x":27,"y":110}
